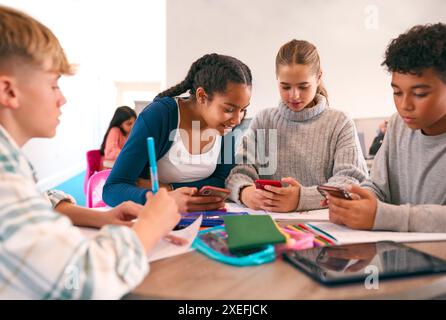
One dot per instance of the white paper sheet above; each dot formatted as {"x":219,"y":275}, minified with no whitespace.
{"x":346,"y":235}
{"x":313,"y":215}
{"x":164,"y":249}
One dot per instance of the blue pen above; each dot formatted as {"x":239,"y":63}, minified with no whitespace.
{"x":321,"y":231}
{"x":153,"y":168}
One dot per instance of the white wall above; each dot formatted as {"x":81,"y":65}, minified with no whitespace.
{"x":351,"y":36}
{"x":111,"y":41}
{"x":125,"y":41}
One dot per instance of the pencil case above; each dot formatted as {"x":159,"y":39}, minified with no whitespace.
{"x":213,"y":243}
{"x":295,"y":241}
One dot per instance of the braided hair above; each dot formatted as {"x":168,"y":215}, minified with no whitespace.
{"x":212,"y":72}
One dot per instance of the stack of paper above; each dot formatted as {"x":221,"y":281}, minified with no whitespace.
{"x":164,"y":248}
{"x":346,"y":235}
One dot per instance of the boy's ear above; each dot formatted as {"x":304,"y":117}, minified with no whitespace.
{"x":8,"y":92}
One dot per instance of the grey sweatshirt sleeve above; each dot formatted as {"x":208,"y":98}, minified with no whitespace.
{"x":349,"y":166}
{"x":410,"y":218}
{"x":245,"y":172}
{"x":402,"y":218}
{"x":309,"y":199}
{"x":391,"y":213}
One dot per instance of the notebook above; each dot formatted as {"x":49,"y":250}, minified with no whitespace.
{"x":210,"y":218}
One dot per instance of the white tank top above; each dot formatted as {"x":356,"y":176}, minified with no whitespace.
{"x":178,"y":165}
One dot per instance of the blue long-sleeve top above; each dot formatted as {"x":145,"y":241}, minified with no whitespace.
{"x":157,"y":120}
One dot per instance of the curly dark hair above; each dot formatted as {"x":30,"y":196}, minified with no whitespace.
{"x":420,"y":48}
{"x":212,"y":72}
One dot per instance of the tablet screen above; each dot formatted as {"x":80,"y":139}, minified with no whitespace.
{"x":355,"y":262}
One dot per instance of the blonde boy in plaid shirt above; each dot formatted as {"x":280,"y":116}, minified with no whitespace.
{"x":42,"y":255}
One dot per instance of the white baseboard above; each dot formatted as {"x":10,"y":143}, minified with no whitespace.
{"x":59,"y":177}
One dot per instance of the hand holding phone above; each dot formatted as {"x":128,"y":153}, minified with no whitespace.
{"x":334,"y":192}
{"x":210,"y":191}
{"x":261,"y":183}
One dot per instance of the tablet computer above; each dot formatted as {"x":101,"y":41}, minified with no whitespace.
{"x":355,"y":262}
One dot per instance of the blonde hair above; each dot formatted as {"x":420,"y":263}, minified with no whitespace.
{"x":23,"y":37}
{"x":301,"y":52}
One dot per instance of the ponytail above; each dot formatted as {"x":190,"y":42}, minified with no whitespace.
{"x":212,"y":72}
{"x":322,"y":91}
{"x":176,"y":90}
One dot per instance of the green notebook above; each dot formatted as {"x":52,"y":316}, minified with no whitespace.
{"x":250,"y":232}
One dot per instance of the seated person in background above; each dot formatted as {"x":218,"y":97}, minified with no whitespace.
{"x":43,"y":256}
{"x":117,"y":133}
{"x":407,"y":187}
{"x":377,"y":142}
{"x":193,"y":136}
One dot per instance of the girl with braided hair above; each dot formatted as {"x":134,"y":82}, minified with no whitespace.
{"x":192,"y":133}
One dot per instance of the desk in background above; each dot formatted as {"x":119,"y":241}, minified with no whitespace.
{"x":369,"y":162}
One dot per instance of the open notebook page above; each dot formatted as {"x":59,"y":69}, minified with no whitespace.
{"x":313,"y":215}
{"x":346,"y":235}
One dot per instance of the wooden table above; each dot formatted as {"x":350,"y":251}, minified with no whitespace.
{"x":194,"y":276}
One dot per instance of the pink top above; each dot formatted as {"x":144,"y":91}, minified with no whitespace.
{"x":114,"y":143}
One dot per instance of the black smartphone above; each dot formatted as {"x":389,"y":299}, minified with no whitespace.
{"x":334,"y":191}
{"x":352,"y":263}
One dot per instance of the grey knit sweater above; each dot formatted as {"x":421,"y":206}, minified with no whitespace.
{"x":409,"y":178}
{"x":317,"y":145}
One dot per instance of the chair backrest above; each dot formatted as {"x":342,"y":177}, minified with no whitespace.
{"x":94,"y":189}
{"x":93,"y":165}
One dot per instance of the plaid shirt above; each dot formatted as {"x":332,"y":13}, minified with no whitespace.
{"x":43,"y":256}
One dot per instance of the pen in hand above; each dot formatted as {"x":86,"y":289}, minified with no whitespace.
{"x":152,"y":162}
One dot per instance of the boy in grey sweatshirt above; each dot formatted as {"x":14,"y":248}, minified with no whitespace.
{"x":407,"y":188}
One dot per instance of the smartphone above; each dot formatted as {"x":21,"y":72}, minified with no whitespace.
{"x":335,"y":192}
{"x":260,"y":183}
{"x":209,"y":191}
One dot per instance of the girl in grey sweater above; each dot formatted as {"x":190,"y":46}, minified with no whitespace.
{"x":302,"y":142}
